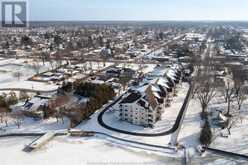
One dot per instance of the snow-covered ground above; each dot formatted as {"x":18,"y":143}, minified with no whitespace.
{"x":107,"y":149}
{"x":76,"y":151}
{"x":238,"y":140}
{"x":112,"y":151}
{"x":95,"y":66}
{"x":156,"y":53}
{"x":146,"y":68}
{"x":190,"y":131}
{"x":29,"y":125}
{"x":101,"y":149}
{"x":10,"y":68}
{"x":28,"y":85}
{"x":25,"y":69}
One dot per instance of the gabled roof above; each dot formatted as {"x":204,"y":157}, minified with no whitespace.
{"x":151,"y":98}
{"x":153,"y":90}
{"x":163,"y":82}
{"x":132,"y":97}
{"x":142,"y":103}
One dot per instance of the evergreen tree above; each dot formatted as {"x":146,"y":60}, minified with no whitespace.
{"x":206,"y":134}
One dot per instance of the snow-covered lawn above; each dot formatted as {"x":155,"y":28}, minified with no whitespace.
{"x":238,"y":140}
{"x":190,"y":130}
{"x":29,"y":85}
{"x":9,"y":68}
{"x":146,"y":68}
{"x":33,"y":126}
{"x":75,"y":151}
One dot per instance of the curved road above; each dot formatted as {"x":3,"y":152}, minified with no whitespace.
{"x":227,"y":153}
{"x":170,"y":131}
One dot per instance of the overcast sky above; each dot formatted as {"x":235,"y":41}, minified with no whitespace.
{"x":138,"y":10}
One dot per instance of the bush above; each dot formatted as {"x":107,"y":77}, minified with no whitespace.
{"x":23,"y":95}
{"x":12,"y":99}
{"x":206,"y":134}
{"x":98,"y":94}
{"x":3,"y":102}
{"x":67,"y":86}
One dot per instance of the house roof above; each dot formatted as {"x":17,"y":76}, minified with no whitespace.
{"x":153,"y":90}
{"x":132,"y":97}
{"x":142,"y":103}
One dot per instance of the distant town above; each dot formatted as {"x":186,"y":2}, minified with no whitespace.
{"x":102,"y":92}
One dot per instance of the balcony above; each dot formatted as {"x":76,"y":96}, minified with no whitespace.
{"x":150,"y":121}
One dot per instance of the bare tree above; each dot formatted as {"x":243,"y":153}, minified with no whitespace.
{"x":18,"y":75}
{"x":2,"y":110}
{"x":241,"y":96}
{"x":206,"y":92}
{"x":18,"y":117}
{"x":5,"y":119}
{"x":23,"y":95}
{"x":36,"y":66}
{"x":229,"y":92}
{"x":52,"y":64}
{"x":231,"y":124}
{"x":241,"y":90}
{"x":205,"y":84}
{"x":59,"y":58}
{"x":59,"y":114}
{"x":4,"y":116}
{"x":195,"y":82}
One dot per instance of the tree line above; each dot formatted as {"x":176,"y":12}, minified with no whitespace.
{"x":97,"y":94}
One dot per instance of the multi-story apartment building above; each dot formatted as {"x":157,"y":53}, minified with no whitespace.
{"x":145,"y":104}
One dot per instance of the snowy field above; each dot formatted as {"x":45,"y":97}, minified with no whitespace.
{"x":238,"y":140}
{"x":9,"y":68}
{"x":76,"y":151}
{"x":189,"y":136}
{"x":86,"y":151}
{"x":146,"y":68}
{"x":190,"y":131}
{"x":29,"y":125}
{"x":14,"y":74}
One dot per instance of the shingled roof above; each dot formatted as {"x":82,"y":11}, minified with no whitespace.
{"x":132,"y":97}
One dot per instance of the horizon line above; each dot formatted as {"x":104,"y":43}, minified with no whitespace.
{"x":138,"y":20}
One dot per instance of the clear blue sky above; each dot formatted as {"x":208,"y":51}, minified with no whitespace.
{"x":138,"y":9}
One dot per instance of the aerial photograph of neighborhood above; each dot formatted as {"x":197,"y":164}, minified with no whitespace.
{"x":131,"y":82}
